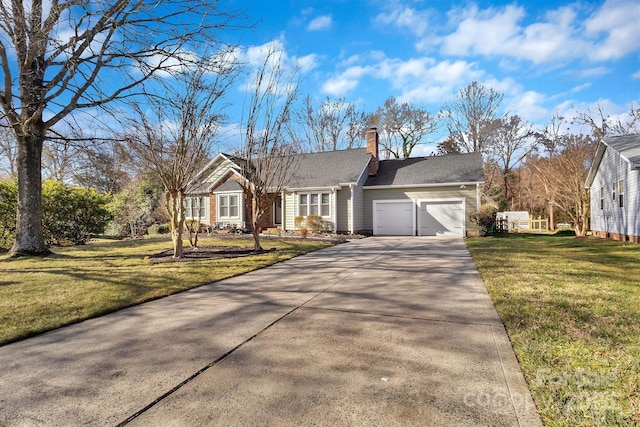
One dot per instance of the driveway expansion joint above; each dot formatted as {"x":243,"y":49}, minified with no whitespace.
{"x":237,"y":347}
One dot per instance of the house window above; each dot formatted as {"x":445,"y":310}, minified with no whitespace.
{"x":314,"y":204}
{"x":324,"y":204}
{"x":194,"y":207}
{"x":303,"y":209}
{"x":621,"y":193}
{"x":613,"y":191}
{"x":187,"y":207}
{"x":228,"y":206}
{"x":601,"y":197}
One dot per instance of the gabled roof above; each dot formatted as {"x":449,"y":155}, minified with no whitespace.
{"x":204,"y":181}
{"x":452,"y":168}
{"x":329,"y":168}
{"x":628,"y":146}
{"x":312,"y":170}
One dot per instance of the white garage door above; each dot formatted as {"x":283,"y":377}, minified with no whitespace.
{"x":441,"y":218}
{"x":393,"y":218}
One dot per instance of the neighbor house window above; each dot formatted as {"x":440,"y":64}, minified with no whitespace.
{"x":613,"y":191}
{"x":314,"y":204}
{"x":228,"y":206}
{"x":621,"y":193}
{"x":601,"y":197}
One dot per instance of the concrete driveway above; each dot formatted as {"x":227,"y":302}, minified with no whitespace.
{"x":379,"y":331}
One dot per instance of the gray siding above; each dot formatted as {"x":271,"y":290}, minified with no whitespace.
{"x":611,"y":218}
{"x":358,"y":208}
{"x":343,"y":209}
{"x":290,"y":208}
{"x":452,"y":192}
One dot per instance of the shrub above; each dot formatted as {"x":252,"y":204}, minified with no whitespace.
{"x":72,"y":214}
{"x":315,"y":223}
{"x":132,"y":208}
{"x":163,"y":229}
{"x":485,"y":220}
{"x":8,"y":209}
{"x":299,"y":221}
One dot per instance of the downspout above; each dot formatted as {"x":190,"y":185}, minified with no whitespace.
{"x":351,"y":215}
{"x":335,"y":216}
{"x":283,"y":212}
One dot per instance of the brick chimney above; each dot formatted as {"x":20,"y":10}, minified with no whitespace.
{"x":372,"y":148}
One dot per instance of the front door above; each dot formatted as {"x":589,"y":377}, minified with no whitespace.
{"x":277,"y":211}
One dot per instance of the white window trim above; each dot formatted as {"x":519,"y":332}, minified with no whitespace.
{"x":220,"y":218}
{"x":201,"y":205}
{"x":319,"y":194}
{"x":621,"y":192}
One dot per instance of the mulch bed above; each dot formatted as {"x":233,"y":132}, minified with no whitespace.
{"x":205,"y":253}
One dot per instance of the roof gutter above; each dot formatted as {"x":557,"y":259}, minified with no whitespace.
{"x":298,"y":189}
{"x":446,"y":184}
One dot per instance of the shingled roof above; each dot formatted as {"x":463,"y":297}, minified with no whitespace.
{"x":329,"y":168}
{"x":453,"y":168}
{"x":628,"y":146}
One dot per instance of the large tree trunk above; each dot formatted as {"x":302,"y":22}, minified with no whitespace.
{"x":29,"y":239}
{"x":175,"y":202}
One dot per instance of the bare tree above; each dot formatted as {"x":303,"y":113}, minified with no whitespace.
{"x":602,"y":125}
{"x":511,"y":142}
{"x":8,"y":152}
{"x":61,"y":57}
{"x":269,"y":164}
{"x":58,"y":159}
{"x":402,"y":127}
{"x":107,"y":166}
{"x":469,"y":117}
{"x":551,"y":140}
{"x":629,"y":126}
{"x":568,"y":175}
{"x":175,"y":130}
{"x":333,"y":125}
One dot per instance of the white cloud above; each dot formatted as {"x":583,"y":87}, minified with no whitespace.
{"x":560,"y":36}
{"x":415,"y":21}
{"x":529,"y":106}
{"x":580,"y":88}
{"x":345,"y":82}
{"x":619,"y":21}
{"x":419,"y":80}
{"x":636,"y":75}
{"x":589,"y":72}
{"x":322,"y":22}
{"x":482,"y":31}
{"x":255,"y":56}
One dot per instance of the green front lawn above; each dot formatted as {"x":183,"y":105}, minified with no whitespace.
{"x":77,"y":283}
{"x":572,"y":310}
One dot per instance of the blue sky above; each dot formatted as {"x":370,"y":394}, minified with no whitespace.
{"x":544,"y":57}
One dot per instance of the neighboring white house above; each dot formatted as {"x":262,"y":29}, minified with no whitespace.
{"x":614,"y":185}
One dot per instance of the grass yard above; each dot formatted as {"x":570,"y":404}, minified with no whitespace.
{"x":77,"y":283}
{"x":572,"y":310}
